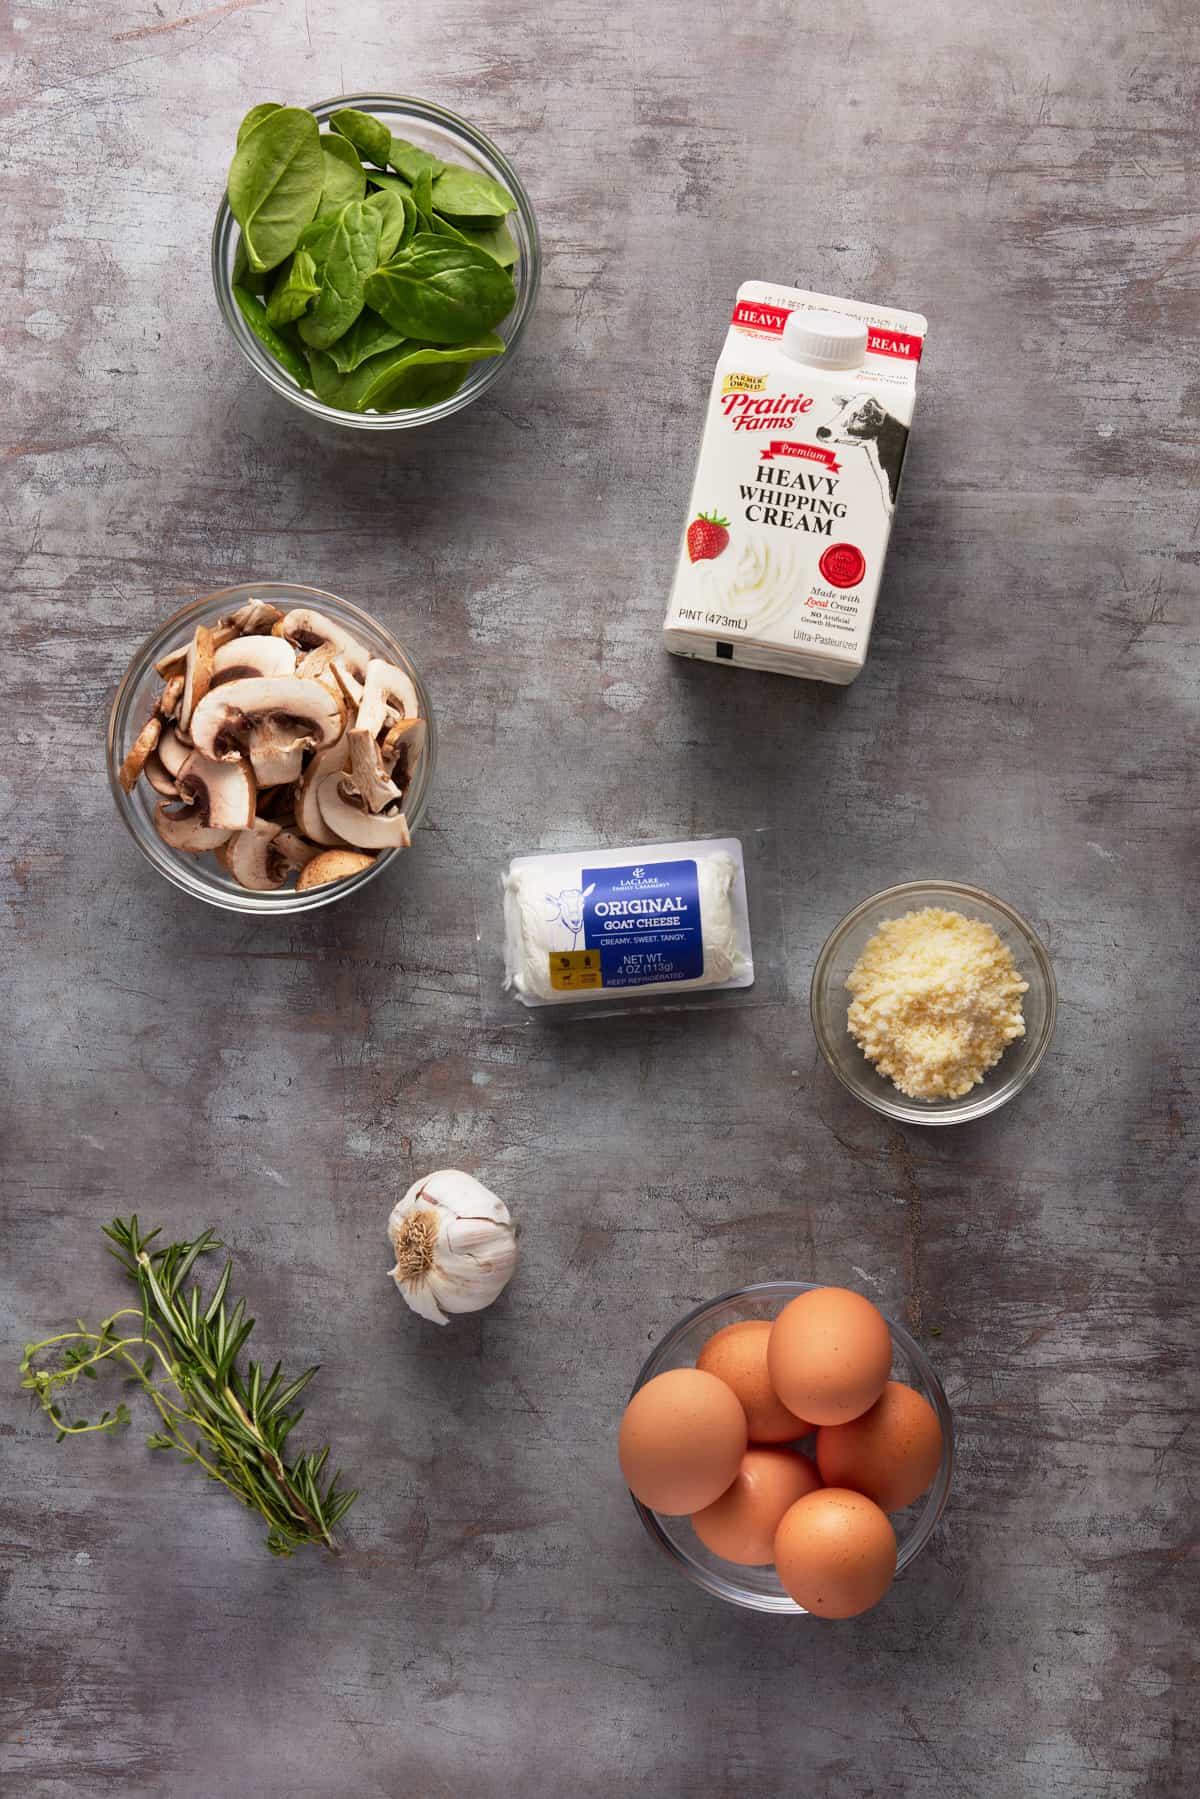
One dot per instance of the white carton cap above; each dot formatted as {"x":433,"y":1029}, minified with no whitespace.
{"x":825,"y":340}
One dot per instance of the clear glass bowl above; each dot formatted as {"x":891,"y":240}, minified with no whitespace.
{"x":760,"y":1589}
{"x":829,"y":1002}
{"x":202,"y":875}
{"x":454,"y":140}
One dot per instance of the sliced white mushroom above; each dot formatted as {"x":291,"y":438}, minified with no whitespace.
{"x":225,"y":721}
{"x":276,"y":753}
{"x":158,"y":777}
{"x":252,"y":858}
{"x":402,"y":747}
{"x":182,"y":828}
{"x":307,"y":630}
{"x":388,"y":694}
{"x":167,"y":703}
{"x":247,"y":657}
{"x":336,"y":759}
{"x":343,"y":812}
{"x":332,"y":865}
{"x":141,"y":747}
{"x":367,"y":776}
{"x":175,"y":661}
{"x":255,"y":615}
{"x":349,"y":683}
{"x":198,"y":669}
{"x":223,"y":793}
{"x":172,"y":751}
{"x":380,"y":773}
{"x":296,"y":849}
{"x":314,"y":663}
{"x":275,"y":763}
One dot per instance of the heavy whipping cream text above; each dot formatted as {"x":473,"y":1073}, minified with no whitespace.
{"x":800,"y":502}
{"x":796,"y":484}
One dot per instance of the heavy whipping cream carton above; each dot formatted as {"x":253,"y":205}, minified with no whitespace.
{"x":796,"y":484}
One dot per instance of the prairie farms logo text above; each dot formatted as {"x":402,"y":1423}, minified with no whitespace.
{"x":751,"y":412}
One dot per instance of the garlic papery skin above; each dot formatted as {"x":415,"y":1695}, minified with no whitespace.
{"x":454,"y":1243}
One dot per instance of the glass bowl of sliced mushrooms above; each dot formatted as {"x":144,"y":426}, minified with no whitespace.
{"x":271,"y":748}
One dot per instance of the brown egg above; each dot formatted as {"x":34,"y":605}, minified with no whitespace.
{"x":829,"y":1355}
{"x":741,"y":1524}
{"x":835,"y":1553}
{"x":682,"y":1440}
{"x":891,"y":1453}
{"x":738,"y":1356}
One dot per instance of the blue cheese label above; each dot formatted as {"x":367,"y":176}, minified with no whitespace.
{"x":645,"y":922}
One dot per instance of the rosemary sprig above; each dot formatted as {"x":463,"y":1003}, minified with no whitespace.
{"x":183,"y":1355}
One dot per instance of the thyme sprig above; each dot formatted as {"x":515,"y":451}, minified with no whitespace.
{"x":183,"y":1355}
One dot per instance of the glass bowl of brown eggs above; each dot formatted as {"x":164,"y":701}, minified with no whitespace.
{"x":789,"y":1517}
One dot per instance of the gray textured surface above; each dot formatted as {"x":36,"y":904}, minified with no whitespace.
{"x":1027,"y":720}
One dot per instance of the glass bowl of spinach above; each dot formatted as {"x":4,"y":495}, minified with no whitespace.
{"x":376,"y":258}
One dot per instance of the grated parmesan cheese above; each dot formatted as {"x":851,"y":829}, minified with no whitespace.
{"x":937,"y":1001}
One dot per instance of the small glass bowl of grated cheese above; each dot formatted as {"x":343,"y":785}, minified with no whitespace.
{"x":933,"y":1002}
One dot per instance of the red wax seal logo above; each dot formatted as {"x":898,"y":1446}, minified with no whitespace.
{"x":843,"y":565}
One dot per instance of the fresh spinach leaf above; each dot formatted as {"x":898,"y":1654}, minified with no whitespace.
{"x":372,"y":140}
{"x":409,"y":161}
{"x":369,"y":335}
{"x":412,"y":375}
{"x":397,"y":220}
{"x":443,"y":228}
{"x":497,"y":239}
{"x":414,"y":386}
{"x":345,"y":178}
{"x":352,"y":255}
{"x":244,"y":275}
{"x":423,"y":376}
{"x":382,"y":178}
{"x":296,"y":284}
{"x":288,"y":358}
{"x":461,"y":193}
{"x":333,"y":388}
{"x":422,"y":194}
{"x":275,"y":183}
{"x":441,"y":291}
{"x":255,"y":116}
{"x":317,"y":237}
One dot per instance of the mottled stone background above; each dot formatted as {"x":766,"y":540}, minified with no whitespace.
{"x":499,"y":1625}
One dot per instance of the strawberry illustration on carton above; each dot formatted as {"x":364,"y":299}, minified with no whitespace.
{"x":803,"y":446}
{"x":707,"y":536}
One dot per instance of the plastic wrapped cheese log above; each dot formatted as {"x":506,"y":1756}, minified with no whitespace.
{"x":648,"y":921}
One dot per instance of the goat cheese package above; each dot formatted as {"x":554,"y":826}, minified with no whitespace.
{"x":657,"y":919}
{"x":796,"y":484}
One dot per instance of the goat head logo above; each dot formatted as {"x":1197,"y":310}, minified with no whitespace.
{"x":567,"y":907}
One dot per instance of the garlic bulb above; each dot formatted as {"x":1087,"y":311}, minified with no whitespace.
{"x":455,"y":1245}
